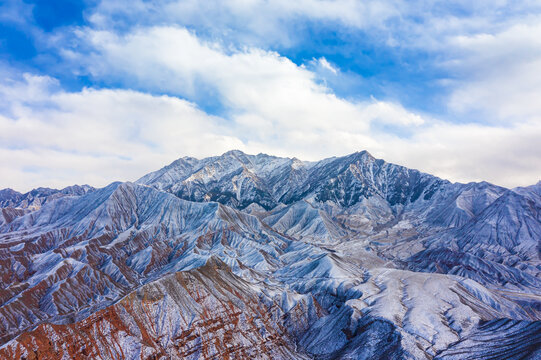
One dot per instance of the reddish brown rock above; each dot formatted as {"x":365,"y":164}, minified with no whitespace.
{"x":206,"y":313}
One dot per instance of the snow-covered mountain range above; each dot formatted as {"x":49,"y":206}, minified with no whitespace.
{"x":255,"y":256}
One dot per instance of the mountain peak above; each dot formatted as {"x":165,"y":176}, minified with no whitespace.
{"x":234,"y":152}
{"x":8,"y":192}
{"x":327,"y":241}
{"x":364,"y":154}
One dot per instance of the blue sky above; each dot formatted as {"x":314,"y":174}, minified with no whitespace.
{"x":97,"y":91}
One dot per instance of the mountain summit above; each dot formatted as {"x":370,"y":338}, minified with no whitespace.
{"x":257,"y":256}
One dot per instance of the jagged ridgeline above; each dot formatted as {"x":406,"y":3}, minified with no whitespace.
{"x":254,"y":256}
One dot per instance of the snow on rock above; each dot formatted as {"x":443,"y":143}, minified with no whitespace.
{"x":256,"y":256}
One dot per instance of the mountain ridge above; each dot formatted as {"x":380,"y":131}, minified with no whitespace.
{"x":348,"y":249}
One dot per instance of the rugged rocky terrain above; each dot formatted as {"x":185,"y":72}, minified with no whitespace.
{"x":255,"y":256}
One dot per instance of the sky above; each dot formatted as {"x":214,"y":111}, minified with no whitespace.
{"x":94,"y":91}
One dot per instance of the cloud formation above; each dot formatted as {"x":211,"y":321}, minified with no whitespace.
{"x":96,"y":136}
{"x":161,"y":91}
{"x":501,"y":72}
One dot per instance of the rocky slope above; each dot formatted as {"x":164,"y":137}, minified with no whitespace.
{"x":242,"y":255}
{"x":14,"y":204}
{"x":205,"y":313}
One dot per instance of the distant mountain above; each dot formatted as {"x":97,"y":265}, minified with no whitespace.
{"x":238,"y":256}
{"x":35,"y":198}
{"x":239,"y":180}
{"x":14,"y":204}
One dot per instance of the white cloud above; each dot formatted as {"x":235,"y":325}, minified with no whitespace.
{"x":56,"y":138}
{"x":254,"y":22}
{"x":325,"y":65}
{"x":32,"y":88}
{"x":281,"y":23}
{"x":264,"y":91}
{"x":98,"y":136}
{"x":501,"y":74}
{"x":271,"y":104}
{"x":504,"y":155}
{"x":49,"y":136}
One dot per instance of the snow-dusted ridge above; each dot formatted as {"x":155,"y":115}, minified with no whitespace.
{"x":351,"y":257}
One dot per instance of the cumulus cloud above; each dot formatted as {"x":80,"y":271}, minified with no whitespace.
{"x":50,"y":136}
{"x":271,"y":103}
{"x":97,"y":136}
{"x":263,"y":91}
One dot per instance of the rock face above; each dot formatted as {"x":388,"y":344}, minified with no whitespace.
{"x":255,"y":256}
{"x":203,"y":313}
